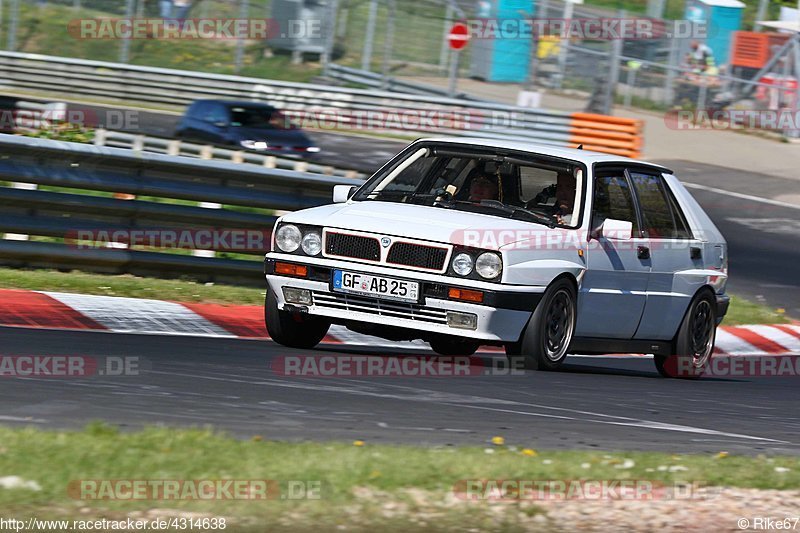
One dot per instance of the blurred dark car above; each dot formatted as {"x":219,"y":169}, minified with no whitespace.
{"x":250,"y":126}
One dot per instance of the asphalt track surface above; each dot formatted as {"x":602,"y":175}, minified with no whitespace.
{"x":594,"y":403}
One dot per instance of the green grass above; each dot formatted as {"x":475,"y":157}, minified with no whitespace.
{"x":356,"y":483}
{"x":44,"y":30}
{"x":741,"y":311}
{"x":745,"y":312}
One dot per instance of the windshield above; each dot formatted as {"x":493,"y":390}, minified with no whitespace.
{"x":530,"y":188}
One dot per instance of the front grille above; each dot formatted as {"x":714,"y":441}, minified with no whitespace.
{"x":417,"y":255}
{"x":376,"y":306}
{"x":354,"y":246}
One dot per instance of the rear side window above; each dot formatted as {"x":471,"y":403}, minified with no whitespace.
{"x":661,"y":214}
{"x":613,"y":199}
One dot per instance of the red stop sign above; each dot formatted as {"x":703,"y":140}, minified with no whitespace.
{"x":458,"y":36}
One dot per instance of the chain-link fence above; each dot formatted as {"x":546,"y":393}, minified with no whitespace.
{"x":408,"y":40}
{"x":401,"y":39}
{"x":64,"y":28}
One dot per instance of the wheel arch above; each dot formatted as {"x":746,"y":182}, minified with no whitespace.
{"x":569,"y":276}
{"x":700,"y":290}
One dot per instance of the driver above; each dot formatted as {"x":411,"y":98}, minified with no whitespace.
{"x":482,"y":187}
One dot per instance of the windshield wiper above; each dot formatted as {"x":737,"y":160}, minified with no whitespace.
{"x":508,"y":209}
{"x":514,"y":210}
{"x":395,"y":194}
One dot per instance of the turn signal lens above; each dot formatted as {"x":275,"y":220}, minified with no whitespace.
{"x":466,"y":295}
{"x":288,"y":269}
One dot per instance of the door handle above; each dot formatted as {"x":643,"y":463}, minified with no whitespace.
{"x":643,"y":252}
{"x":695,"y":252}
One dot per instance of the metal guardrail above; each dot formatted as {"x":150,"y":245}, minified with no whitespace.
{"x":375,"y":80}
{"x":160,"y":145}
{"x":30,"y":116}
{"x":81,"y":176}
{"x":340,"y":107}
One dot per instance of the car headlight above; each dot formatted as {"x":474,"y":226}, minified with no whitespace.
{"x":288,"y":238}
{"x":312,"y":243}
{"x":462,"y":264}
{"x":488,"y":265}
{"x":254,"y":145}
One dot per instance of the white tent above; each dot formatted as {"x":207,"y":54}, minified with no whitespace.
{"x":781,"y":25}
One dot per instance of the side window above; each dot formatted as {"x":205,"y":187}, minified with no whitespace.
{"x":660,"y":214}
{"x":613,"y":199}
{"x":683,"y":231}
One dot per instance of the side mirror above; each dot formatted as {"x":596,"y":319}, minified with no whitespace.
{"x":342,"y":193}
{"x":617,"y":230}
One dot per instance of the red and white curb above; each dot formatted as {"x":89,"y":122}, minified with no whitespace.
{"x":58,"y":310}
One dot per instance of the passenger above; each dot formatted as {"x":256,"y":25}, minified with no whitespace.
{"x":565,"y":197}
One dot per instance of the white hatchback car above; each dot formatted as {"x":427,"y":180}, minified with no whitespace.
{"x":545,"y":251}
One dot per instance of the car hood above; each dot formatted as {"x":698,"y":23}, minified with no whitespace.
{"x":415,"y":222}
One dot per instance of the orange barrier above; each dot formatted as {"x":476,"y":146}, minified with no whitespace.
{"x":607,"y":134}
{"x":752,"y":49}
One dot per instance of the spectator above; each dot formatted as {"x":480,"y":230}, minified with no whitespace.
{"x":702,"y":58}
{"x":165,"y":8}
{"x":182,"y":8}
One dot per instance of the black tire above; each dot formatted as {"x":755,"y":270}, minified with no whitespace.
{"x":292,"y":330}
{"x":454,"y":346}
{"x":694,"y":342}
{"x":546,"y":339}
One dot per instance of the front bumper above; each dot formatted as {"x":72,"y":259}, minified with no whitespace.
{"x":501,"y":317}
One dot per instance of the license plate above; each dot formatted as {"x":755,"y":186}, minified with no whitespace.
{"x":376,"y":286}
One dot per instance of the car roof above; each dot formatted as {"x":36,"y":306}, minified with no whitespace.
{"x":236,"y":103}
{"x":586,"y":157}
